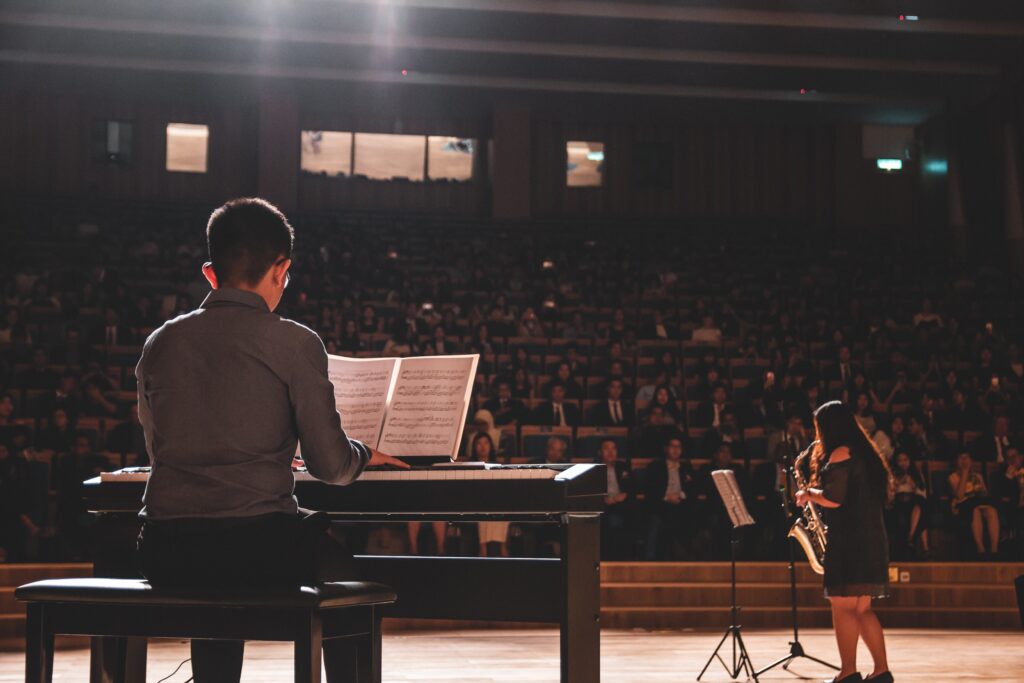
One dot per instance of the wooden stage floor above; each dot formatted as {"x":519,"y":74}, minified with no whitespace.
{"x":492,"y":656}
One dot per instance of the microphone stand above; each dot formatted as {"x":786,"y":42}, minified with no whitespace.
{"x":796,"y":649}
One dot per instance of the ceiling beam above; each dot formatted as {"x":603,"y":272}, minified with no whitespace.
{"x":500,"y":47}
{"x":716,"y":15}
{"x":177,"y":66}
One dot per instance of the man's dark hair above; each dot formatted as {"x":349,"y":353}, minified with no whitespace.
{"x":245,"y":238}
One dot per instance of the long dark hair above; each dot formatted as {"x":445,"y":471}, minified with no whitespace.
{"x":836,"y":426}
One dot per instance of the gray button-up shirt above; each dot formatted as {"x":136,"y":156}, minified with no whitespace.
{"x":225,"y":393}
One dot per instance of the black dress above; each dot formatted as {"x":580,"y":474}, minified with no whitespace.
{"x":857,"y":554}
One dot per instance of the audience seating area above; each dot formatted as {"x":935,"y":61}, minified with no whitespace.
{"x":677,"y":327}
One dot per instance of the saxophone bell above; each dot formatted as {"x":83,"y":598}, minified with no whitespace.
{"x":809,"y":531}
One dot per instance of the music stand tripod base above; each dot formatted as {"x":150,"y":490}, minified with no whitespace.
{"x":725,"y":481}
{"x":796,"y":650}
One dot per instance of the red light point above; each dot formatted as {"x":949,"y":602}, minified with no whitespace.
{"x":803,"y":91}
{"x":903,"y":18}
{"x":404,"y":72}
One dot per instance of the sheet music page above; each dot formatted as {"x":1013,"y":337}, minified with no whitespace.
{"x":361,"y":387}
{"x":732,"y":497}
{"x":428,"y":405}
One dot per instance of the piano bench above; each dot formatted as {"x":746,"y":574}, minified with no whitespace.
{"x":120,"y":609}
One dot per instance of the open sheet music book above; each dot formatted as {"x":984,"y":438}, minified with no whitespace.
{"x":404,"y":406}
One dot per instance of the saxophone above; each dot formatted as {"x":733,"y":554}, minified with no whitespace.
{"x":809,"y":531}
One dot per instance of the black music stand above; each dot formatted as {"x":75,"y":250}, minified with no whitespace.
{"x":796,"y":649}
{"x":729,"y":490}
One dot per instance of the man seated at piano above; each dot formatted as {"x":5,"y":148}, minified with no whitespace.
{"x":226,"y":393}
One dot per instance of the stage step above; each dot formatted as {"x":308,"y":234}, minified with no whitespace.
{"x":698,"y":595}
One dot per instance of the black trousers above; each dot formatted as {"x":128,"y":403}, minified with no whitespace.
{"x":272,"y":551}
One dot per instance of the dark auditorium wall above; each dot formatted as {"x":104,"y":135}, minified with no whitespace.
{"x":46,"y":142}
{"x":806,"y":171}
{"x":721,"y":170}
{"x":867,"y":198}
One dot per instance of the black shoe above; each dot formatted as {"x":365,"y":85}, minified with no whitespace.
{"x":852,"y":678}
{"x":884,"y":677}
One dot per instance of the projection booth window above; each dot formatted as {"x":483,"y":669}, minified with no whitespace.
{"x":326,"y":152}
{"x":450,"y":158}
{"x":585,"y":163}
{"x":390,"y":157}
{"x":187,"y":145}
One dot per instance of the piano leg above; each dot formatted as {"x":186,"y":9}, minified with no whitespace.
{"x":581,"y":610}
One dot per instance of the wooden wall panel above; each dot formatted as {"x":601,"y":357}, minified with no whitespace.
{"x":720,"y":170}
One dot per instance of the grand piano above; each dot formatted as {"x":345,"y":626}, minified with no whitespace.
{"x":563,"y":590}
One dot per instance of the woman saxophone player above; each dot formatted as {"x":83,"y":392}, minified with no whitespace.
{"x":851,"y":482}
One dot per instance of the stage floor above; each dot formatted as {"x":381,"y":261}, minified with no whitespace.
{"x":485,"y":656}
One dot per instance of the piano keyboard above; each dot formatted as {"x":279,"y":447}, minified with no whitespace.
{"x":445,"y":473}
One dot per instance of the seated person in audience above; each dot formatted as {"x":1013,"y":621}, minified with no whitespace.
{"x":709,"y":414}
{"x":368,"y":322}
{"x":128,"y":438}
{"x":899,"y":439}
{"x":926,"y":317}
{"x":82,"y":463}
{"x":1008,"y":489}
{"x":38,"y":375}
{"x":844,"y":370}
{"x":669,"y":491}
{"x":58,"y":436}
{"x":722,"y":459}
{"x":64,"y":396}
{"x":564,"y":376}
{"x":617,"y":517}
{"x":505,"y":408}
{"x":530,"y":325}
{"x":973,"y":504}
{"x":962,"y":415}
{"x":992,"y":447}
{"x":613,"y":410}
{"x":113,"y":332}
{"x":727,"y":433}
{"x":864,"y":414}
{"x":709,"y":378}
{"x":16,"y":525}
{"x":655,"y":327}
{"x":906,"y":516}
{"x":577,"y":366}
{"x":522,"y":384}
{"x":483,"y":423}
{"x":96,"y":404}
{"x":399,"y":342}
{"x":614,"y":352}
{"x":74,"y":352}
{"x":350,"y":341}
{"x":799,"y":367}
{"x":490,"y":535}
{"x":707,"y":333}
{"x":661,"y":379}
{"x":617,"y":370}
{"x":556,"y":411}
{"x":556,"y":451}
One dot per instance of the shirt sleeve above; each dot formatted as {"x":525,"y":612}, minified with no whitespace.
{"x":329,"y":454}
{"x":835,"y":482}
